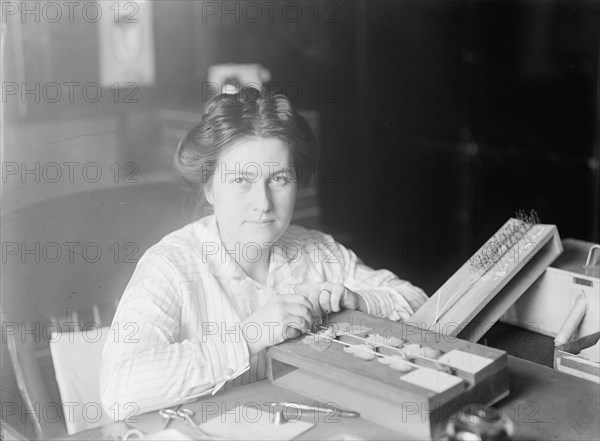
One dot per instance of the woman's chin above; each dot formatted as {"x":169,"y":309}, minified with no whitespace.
{"x":263,"y":237}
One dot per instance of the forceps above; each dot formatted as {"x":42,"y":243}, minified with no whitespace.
{"x":321,"y":409}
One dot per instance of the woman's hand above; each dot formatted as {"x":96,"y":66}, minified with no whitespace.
{"x":328,"y":297}
{"x":284,"y":316}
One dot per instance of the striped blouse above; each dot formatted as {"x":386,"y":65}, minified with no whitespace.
{"x":177,"y":329}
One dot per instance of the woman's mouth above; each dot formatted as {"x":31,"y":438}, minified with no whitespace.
{"x":261,"y":223}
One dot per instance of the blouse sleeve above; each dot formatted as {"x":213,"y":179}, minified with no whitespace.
{"x":145,"y":366}
{"x":383,"y":292}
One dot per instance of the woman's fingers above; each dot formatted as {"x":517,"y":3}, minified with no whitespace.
{"x":325,"y":299}
{"x":310,"y":293}
{"x":313,"y":298}
{"x":337,"y":294}
{"x":298,"y":299}
{"x":331,"y":296}
{"x":296,"y":310}
{"x":292,"y":330}
{"x":295,"y":326}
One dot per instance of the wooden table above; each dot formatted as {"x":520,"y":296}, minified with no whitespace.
{"x":543,"y":403}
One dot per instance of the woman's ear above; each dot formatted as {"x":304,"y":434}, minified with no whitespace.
{"x":208,"y":193}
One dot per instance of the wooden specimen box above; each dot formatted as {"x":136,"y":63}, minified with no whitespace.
{"x":417,"y":403}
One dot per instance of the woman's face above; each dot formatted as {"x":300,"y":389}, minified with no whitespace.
{"x":253,"y":192}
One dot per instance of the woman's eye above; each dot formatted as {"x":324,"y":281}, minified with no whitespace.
{"x":239,"y":180}
{"x":279,"y":180}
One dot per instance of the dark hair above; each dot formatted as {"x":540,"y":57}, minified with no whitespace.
{"x":232,"y":118}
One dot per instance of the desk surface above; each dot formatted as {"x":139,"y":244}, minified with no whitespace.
{"x":543,"y":403}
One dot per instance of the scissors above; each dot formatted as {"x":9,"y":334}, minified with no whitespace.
{"x":185,"y":415}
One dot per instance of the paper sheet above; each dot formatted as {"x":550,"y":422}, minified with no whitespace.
{"x":254,"y":424}
{"x":465,"y":361}
{"x":168,"y":435}
{"x":433,"y":380}
{"x":592,"y":353}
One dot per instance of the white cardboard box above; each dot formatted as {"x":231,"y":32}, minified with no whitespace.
{"x":544,"y":307}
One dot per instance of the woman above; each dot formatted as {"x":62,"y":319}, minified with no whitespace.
{"x":205,"y":301}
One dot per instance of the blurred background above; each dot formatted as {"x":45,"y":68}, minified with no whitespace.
{"x":437,"y":121}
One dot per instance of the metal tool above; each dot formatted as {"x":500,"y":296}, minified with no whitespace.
{"x":320,"y":409}
{"x":185,"y":415}
{"x":167,"y":413}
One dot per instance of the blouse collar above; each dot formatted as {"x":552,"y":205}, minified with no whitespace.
{"x":222,"y":264}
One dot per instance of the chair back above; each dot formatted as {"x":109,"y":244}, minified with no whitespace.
{"x":77,"y":357}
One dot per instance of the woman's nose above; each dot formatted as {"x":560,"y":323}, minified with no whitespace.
{"x":261,"y":198}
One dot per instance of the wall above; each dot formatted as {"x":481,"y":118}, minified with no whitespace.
{"x":474,"y":110}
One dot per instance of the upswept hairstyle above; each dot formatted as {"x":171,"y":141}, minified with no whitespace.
{"x":232,"y":118}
